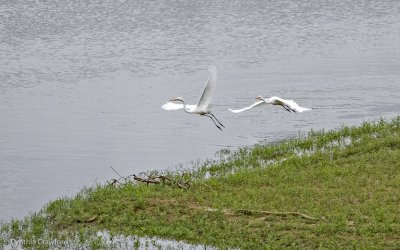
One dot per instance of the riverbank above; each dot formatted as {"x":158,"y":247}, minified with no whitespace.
{"x":330,"y":189}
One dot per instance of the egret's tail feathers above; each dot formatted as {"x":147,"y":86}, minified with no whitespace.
{"x":294,"y":106}
{"x":302,"y":109}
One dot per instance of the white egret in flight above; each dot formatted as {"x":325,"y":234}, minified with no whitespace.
{"x":203,"y":106}
{"x":289,"y":105}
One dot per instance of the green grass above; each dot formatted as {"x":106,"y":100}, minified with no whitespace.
{"x":348,"y":179}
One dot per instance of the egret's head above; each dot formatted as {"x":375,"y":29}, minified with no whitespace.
{"x":176,"y":99}
{"x":260,"y":98}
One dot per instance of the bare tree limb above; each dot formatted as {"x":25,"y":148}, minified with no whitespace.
{"x":283,"y":214}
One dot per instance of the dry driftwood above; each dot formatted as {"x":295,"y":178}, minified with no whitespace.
{"x":148,"y":180}
{"x":160,"y":179}
{"x":283,"y":214}
{"x":261,"y":213}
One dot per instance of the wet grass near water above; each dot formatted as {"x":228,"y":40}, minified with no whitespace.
{"x":327,"y":189}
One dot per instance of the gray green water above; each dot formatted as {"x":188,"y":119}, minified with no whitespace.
{"x":81,"y":82}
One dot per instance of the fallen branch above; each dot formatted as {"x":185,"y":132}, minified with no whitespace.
{"x":143,"y":177}
{"x":148,"y":180}
{"x":164,"y":178}
{"x":283,"y":214}
{"x":115,"y":171}
{"x":260,"y":213}
{"x":181,"y":186}
{"x":113,"y":182}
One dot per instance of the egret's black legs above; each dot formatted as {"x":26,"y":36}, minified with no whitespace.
{"x":214,"y":122}
{"x":287,"y":109}
{"x":217,"y":120}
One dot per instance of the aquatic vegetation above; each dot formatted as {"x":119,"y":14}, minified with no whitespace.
{"x":328,"y":189}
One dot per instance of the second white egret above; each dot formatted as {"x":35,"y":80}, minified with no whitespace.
{"x":289,"y":105}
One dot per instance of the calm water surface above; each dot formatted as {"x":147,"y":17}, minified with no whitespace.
{"x":81,"y":82}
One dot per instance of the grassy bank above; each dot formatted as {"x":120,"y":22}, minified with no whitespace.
{"x":335,"y":189}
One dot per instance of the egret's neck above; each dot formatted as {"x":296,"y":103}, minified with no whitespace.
{"x":184,"y":106}
{"x":262,"y":99}
{"x":268,"y":101}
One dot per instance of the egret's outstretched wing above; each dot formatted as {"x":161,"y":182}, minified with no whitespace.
{"x":246,"y":108}
{"x":294,"y":106}
{"x":175,"y":106}
{"x":172,"y":106}
{"x":209,"y":89}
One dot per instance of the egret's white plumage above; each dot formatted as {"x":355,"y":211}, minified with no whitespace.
{"x":289,"y":105}
{"x":175,"y":106}
{"x":203,"y":106}
{"x":246,"y":108}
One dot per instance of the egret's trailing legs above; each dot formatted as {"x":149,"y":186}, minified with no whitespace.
{"x":214,"y":122}
{"x":217,"y":120}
